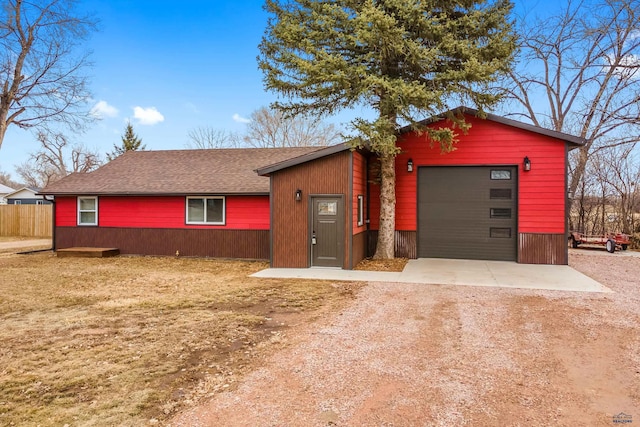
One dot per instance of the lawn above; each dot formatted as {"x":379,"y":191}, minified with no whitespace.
{"x":132,"y":340}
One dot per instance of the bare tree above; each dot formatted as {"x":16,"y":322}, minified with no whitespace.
{"x":579,"y":72}
{"x":56,"y":159}
{"x":5,"y":179}
{"x":206,"y":137}
{"x":618,"y":171}
{"x":41,"y":76}
{"x":271,"y":128}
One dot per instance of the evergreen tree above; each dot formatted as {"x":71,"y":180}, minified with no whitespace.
{"x":130,"y":142}
{"x":407,"y":59}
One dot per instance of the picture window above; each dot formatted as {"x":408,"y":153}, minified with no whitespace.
{"x":206,"y":210}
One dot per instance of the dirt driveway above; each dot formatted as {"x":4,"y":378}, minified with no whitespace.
{"x":406,"y":355}
{"x":17,"y":244}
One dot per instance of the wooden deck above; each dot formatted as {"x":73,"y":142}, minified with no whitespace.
{"x":88,"y":252}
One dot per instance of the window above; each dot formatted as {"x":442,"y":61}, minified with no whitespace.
{"x":39,"y":202}
{"x":500,"y":174}
{"x":500,"y":212}
{"x":360,"y":210}
{"x":500,"y":193}
{"x":17,"y":202}
{"x":500,"y":233}
{"x":206,"y":210}
{"x":87,"y":211}
{"x":327,"y":208}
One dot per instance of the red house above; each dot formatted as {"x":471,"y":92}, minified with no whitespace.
{"x":501,"y":195}
{"x":191,"y":202}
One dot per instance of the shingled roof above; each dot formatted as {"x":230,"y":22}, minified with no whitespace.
{"x":179,"y":172}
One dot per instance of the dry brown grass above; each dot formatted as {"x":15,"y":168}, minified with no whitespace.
{"x":121,"y":341}
{"x":395,"y":264}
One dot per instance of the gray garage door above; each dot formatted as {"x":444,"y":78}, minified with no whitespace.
{"x":467,"y":212}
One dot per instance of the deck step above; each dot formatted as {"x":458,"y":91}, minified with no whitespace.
{"x":88,"y":252}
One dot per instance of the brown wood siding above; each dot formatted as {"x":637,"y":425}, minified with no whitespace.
{"x":359,"y":247}
{"x":242,"y":244}
{"x":290,"y":218}
{"x":539,"y":248}
{"x":405,"y":244}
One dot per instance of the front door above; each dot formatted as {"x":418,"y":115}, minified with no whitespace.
{"x":327,"y":231}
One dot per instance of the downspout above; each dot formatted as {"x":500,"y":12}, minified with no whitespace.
{"x":53,"y":230}
{"x":53,"y":222}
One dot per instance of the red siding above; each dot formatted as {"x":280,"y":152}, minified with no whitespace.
{"x":242,"y":212}
{"x":65,"y":211}
{"x":359,"y":188}
{"x":541,"y":192}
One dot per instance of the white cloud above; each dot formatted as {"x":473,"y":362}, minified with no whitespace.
{"x":102,"y":109}
{"x":629,"y":67}
{"x":192,"y":107}
{"x":238,"y":118}
{"x":147,"y":116}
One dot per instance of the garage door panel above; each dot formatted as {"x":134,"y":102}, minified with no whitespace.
{"x":463,"y":213}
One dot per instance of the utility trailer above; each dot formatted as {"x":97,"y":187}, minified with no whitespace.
{"x":610,"y":241}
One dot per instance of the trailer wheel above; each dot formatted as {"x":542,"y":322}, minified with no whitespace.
{"x":611,"y":246}
{"x":574,"y":242}
{"x":624,"y":247}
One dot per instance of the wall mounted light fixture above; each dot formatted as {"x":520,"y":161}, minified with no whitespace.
{"x":526,"y":164}
{"x":298,"y":195}
{"x":410,"y":165}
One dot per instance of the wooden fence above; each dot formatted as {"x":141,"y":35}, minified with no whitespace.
{"x":26,"y":220}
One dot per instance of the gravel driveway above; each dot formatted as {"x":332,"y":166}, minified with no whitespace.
{"x":410,"y":354}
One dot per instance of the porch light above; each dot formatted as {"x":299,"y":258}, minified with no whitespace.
{"x":526,"y":164}
{"x":410,"y":165}
{"x":298,"y":195}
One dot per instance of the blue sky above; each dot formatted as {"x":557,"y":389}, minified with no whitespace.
{"x":172,"y":66}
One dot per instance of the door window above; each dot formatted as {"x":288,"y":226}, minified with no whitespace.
{"x":327,"y":208}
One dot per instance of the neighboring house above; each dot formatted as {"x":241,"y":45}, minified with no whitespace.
{"x":501,"y":195}
{"x":4,"y":190}
{"x":26,"y":196}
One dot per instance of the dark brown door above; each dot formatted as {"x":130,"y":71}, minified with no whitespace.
{"x":467,"y":212}
{"x":327,"y":232}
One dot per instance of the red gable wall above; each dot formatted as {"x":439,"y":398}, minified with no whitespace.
{"x":242,"y":212}
{"x":541,"y":192}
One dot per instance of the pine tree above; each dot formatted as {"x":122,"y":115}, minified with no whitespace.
{"x":406,"y":59}
{"x":130,"y":142}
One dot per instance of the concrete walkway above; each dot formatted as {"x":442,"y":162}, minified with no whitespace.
{"x":436,"y":271}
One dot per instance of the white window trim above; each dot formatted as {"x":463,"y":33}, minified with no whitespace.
{"x":360,"y":210}
{"x":17,"y":202}
{"x":96,"y":210}
{"x":224,"y":210}
{"x":39,"y":202}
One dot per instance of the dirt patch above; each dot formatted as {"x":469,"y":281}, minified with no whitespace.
{"x":133,"y":340}
{"x":12,"y":245}
{"x":368,"y":264}
{"x":411,"y":354}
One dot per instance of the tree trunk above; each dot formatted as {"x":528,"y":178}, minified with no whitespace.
{"x":578,"y":172}
{"x":386,"y":233}
{"x":3,"y":131}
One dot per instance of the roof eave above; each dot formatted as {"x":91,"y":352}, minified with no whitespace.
{"x":138,"y":193}
{"x":573,"y":141}
{"x":322,"y":152}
